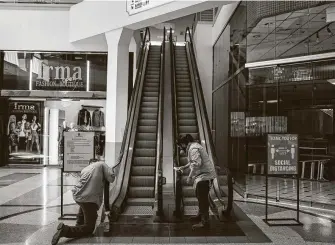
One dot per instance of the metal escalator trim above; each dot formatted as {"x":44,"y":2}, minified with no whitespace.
{"x":206,"y":128}
{"x":125,"y":167}
{"x":178,"y":192}
{"x":158,"y":204}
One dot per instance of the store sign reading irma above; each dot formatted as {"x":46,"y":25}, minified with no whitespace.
{"x":78,"y":150}
{"x":137,"y":6}
{"x":59,"y":77}
{"x":282,"y":154}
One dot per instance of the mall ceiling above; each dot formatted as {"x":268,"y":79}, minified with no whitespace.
{"x":291,"y":34}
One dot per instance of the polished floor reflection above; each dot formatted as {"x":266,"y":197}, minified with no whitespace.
{"x":30,"y":208}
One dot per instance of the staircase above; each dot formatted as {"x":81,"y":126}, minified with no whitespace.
{"x":141,"y":192}
{"x":187,"y":119}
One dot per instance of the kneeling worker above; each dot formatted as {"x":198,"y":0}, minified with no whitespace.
{"x":202,"y":173}
{"x":88,"y":194}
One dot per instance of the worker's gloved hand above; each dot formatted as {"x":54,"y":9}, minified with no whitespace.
{"x":178,"y":169}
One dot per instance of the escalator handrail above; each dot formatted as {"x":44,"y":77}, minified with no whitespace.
{"x":158,"y":178}
{"x":176,"y":175}
{"x":121,"y":162}
{"x":125,"y":167}
{"x":206,"y":127}
{"x":107,"y":202}
{"x":133,"y":94}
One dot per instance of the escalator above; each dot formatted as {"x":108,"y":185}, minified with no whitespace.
{"x":142,"y":177}
{"x":190,"y":117}
{"x":135,"y":190}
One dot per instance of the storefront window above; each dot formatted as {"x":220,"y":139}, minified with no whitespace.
{"x":35,"y":122}
{"x":296,"y":98}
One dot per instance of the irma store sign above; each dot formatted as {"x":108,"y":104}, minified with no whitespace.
{"x":57,"y":77}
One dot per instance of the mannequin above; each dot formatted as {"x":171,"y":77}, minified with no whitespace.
{"x":13,"y":139}
{"x":22,"y":135}
{"x":35,"y":129}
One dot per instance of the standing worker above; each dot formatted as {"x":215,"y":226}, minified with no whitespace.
{"x":88,"y":194}
{"x":202,"y":173}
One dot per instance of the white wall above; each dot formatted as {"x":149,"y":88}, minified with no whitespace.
{"x":223,"y":17}
{"x":90,"y":18}
{"x":72,"y":108}
{"x":42,"y":29}
{"x":204,"y":52}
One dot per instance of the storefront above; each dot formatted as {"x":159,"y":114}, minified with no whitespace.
{"x":274,"y":73}
{"x":44,"y":94}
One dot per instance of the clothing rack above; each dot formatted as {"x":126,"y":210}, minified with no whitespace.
{"x":91,"y":106}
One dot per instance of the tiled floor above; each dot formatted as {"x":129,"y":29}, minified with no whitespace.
{"x":29,"y":211}
{"x":311,"y":192}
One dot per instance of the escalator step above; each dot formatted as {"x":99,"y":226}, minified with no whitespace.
{"x":150,"y":94}
{"x":143,"y":170}
{"x":145,"y":144}
{"x":145,"y":181}
{"x":146,"y":136}
{"x":151,"y":84}
{"x":184,"y":99}
{"x":140,"y":201}
{"x":149,"y":99}
{"x":183,"y":85}
{"x":150,"y":104}
{"x":187,"y":129}
{"x":188,"y":191}
{"x":151,"y":89}
{"x":151,"y":116}
{"x":186,"y":110}
{"x":190,"y":201}
{"x":183,"y":80}
{"x":141,"y":152}
{"x":187,"y":116}
{"x":185,"y":104}
{"x":147,"y":122}
{"x":150,"y":76}
{"x":184,"y":94}
{"x":144,"y":161}
{"x":142,"y":192}
{"x":184,"y":89}
{"x":146,"y":129}
{"x":181,"y":69}
{"x":185,"y":122}
{"x":149,"y":109}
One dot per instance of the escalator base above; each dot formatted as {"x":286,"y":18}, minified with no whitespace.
{"x":138,"y":210}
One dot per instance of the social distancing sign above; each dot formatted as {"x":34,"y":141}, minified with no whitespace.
{"x":282,"y":154}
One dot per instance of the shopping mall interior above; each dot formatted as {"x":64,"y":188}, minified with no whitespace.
{"x":119,"y":82}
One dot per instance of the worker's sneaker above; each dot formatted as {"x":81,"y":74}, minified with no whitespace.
{"x":59,"y":233}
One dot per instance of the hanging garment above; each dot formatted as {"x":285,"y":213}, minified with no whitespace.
{"x":84,"y":117}
{"x":98,"y":119}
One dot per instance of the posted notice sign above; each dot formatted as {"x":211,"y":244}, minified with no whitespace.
{"x":78,"y":150}
{"x":283,"y":154}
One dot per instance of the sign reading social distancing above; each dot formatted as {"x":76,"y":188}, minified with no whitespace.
{"x":283,"y":154}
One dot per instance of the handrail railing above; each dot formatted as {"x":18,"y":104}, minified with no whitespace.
{"x":178,"y":191}
{"x":158,"y":206}
{"x":207,"y":132}
{"x":122,"y":166}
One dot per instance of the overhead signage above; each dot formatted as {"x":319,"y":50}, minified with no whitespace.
{"x":282,"y":154}
{"x":137,"y":6}
{"x":78,"y":150}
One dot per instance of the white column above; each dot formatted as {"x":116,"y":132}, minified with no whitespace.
{"x":117,"y":91}
{"x":53,"y":137}
{"x":46,"y":136}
